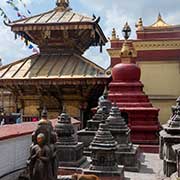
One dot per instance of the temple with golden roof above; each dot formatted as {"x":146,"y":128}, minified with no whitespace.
{"x":61,"y":76}
{"x":58,"y":76}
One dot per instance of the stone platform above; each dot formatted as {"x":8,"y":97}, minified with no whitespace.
{"x":130,"y":159}
{"x":151,"y":169}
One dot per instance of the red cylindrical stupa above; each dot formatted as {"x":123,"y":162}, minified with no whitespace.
{"x":126,"y":90}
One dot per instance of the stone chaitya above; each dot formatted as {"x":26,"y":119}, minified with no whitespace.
{"x":170,"y":136}
{"x":102,"y":112}
{"x":127,"y":154}
{"x":69,"y":151}
{"x":93,"y":124}
{"x":103,"y":149}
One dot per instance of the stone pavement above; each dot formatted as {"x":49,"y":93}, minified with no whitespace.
{"x":151,"y":169}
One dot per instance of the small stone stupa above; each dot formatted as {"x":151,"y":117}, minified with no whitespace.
{"x":126,"y":154}
{"x":169,"y":136}
{"x":93,"y":124}
{"x":69,"y":151}
{"x":86,"y":135}
{"x":103,"y":149}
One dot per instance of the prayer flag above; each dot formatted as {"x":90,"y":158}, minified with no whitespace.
{"x":31,"y":46}
{"x":16,"y":9}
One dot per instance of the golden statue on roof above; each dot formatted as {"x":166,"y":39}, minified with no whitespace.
{"x":114,"y":36}
{"x":139,"y":24}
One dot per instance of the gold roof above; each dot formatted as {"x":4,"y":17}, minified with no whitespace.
{"x":54,"y":16}
{"x":160,"y":22}
{"x":52,"y":66}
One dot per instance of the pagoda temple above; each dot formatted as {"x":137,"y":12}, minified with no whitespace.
{"x":157,"y":52}
{"x":60,"y":75}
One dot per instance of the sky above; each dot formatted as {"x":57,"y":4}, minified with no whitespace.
{"x":113,"y":13}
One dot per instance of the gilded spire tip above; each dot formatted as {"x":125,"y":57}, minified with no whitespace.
{"x":159,"y":16}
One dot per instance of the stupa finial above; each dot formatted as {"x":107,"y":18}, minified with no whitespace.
{"x":62,"y":4}
{"x":126,"y":31}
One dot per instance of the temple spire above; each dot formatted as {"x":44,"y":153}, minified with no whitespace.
{"x":62,"y":4}
{"x":159,"y":16}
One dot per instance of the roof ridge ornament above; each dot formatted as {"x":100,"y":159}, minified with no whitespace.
{"x":139,"y":24}
{"x":160,"y":22}
{"x":159,"y":16}
{"x":62,"y":4}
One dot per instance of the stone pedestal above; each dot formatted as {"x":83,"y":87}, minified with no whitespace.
{"x":103,"y":149}
{"x":176,"y":149}
{"x":170,"y":136}
{"x":126,"y":154}
{"x":71,"y":155}
{"x":69,"y":151}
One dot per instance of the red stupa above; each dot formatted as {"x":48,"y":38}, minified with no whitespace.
{"x":127,"y":90}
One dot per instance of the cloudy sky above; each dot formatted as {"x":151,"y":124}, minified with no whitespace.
{"x":113,"y":13}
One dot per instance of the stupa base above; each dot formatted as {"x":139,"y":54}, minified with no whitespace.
{"x":129,"y":159}
{"x":70,"y":155}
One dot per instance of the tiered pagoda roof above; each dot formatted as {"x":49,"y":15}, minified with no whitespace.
{"x":62,"y":36}
{"x":61,"y":27}
{"x":51,"y":67}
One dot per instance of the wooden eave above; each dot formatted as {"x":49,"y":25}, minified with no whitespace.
{"x":101,"y":34}
{"x":7,"y":83}
{"x":63,"y":26}
{"x":52,"y":26}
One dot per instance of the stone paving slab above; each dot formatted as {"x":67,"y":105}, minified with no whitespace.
{"x":151,"y":169}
